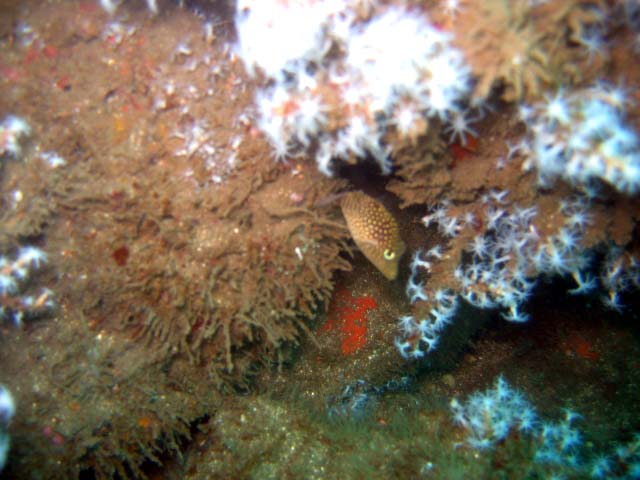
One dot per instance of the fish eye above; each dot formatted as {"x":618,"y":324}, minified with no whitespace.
{"x":389,"y":254}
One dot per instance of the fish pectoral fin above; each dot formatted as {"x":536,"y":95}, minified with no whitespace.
{"x":401,"y":249}
{"x":369,"y":242}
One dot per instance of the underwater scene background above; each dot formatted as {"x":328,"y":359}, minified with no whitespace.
{"x":319,"y":239}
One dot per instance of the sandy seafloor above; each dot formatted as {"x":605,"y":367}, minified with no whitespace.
{"x":211,"y":317}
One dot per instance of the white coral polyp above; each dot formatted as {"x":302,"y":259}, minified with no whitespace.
{"x":395,"y":59}
{"x":276,"y":35}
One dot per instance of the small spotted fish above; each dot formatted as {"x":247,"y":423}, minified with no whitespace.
{"x":374,"y":230}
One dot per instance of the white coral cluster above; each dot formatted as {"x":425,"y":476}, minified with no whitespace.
{"x":581,"y":137}
{"x":503,"y":263}
{"x":13,"y":130}
{"x":343,"y":72}
{"x":17,"y":301}
{"x":112,"y":5}
{"x":7,"y":411}
{"x":489,"y":417}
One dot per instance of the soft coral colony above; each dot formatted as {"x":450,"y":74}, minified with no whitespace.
{"x":353,"y":73}
{"x":366,"y":80}
{"x":18,"y":298}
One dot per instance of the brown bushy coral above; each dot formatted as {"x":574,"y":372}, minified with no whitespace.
{"x":213,"y":274}
{"x":502,"y":43}
{"x":181,"y":255}
{"x":525,"y":48}
{"x":422,"y":173}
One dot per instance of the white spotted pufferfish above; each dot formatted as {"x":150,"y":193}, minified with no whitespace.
{"x":374,"y":230}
